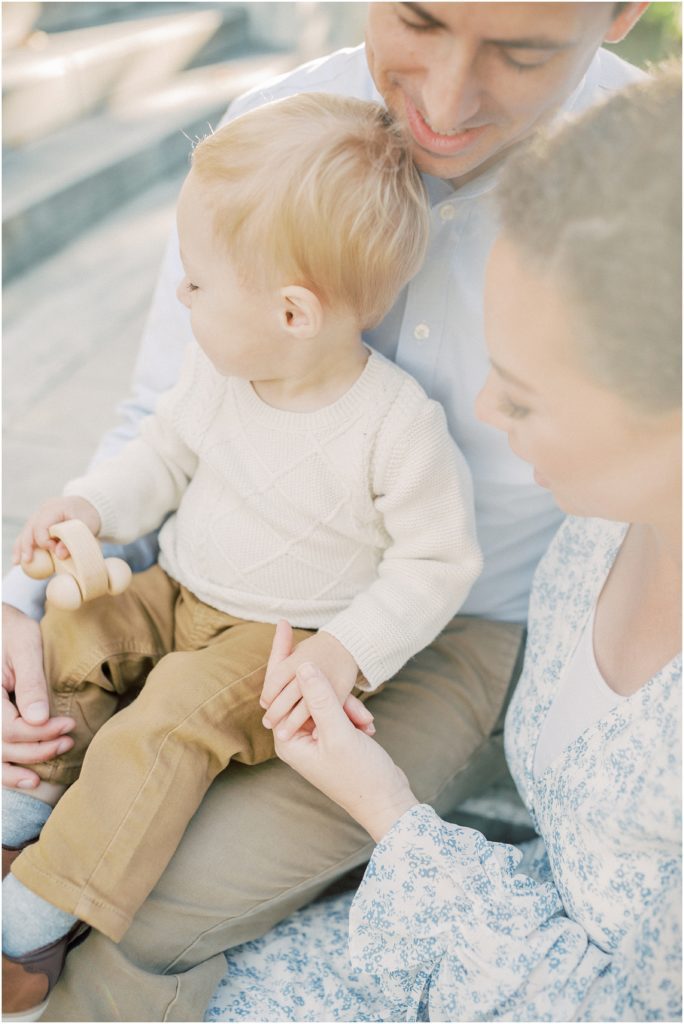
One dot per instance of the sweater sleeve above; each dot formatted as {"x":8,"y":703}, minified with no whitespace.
{"x":423,"y":492}
{"x":135,"y":489}
{"x":453,"y":932}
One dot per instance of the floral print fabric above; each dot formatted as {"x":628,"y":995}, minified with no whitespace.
{"x":583,"y":924}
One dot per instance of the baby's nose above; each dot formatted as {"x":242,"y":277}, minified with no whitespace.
{"x":183,"y":293}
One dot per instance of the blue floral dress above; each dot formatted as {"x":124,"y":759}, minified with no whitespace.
{"x":584,"y":924}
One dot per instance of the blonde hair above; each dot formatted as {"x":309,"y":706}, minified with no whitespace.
{"x":597,"y":205}
{"x":320,"y":191}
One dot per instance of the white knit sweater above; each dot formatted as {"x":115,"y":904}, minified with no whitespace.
{"x":356,"y":518}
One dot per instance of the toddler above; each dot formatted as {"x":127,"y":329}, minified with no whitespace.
{"x":298,"y":474}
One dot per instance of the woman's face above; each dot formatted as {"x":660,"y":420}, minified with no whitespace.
{"x":596,"y":453}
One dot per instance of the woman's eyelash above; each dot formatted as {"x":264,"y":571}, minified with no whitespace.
{"x":191,"y":287}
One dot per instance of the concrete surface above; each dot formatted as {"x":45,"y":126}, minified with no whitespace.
{"x":71,"y":331}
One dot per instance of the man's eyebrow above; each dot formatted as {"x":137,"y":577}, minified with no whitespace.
{"x":533,"y":43}
{"x":507,"y":375}
{"x":526,"y":43}
{"x":420,"y":12}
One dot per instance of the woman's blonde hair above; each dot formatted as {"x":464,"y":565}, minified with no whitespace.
{"x":321,"y":191}
{"x":597,"y":205}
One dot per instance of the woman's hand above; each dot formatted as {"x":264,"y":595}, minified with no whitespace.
{"x":343,"y":762}
{"x":29,"y":735}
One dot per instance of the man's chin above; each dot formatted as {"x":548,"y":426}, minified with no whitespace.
{"x":457,"y":168}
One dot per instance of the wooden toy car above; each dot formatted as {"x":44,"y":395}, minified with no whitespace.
{"x":84,"y":575}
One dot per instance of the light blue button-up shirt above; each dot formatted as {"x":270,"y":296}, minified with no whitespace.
{"x":435,"y":331}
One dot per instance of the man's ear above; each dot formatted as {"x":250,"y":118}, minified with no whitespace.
{"x":301,"y":312}
{"x":623,"y":22}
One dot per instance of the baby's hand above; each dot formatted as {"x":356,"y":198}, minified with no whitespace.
{"x":282,"y":697}
{"x":35,"y":533}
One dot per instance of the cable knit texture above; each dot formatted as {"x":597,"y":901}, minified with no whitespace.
{"x":356,"y":518}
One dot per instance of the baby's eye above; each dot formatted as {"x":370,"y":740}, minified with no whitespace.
{"x":190,"y":286}
{"x":511,"y":409}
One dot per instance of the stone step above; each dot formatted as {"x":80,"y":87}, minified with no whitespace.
{"x":71,"y":330}
{"x":63,"y":17}
{"x":55,"y":79}
{"x":60,"y":185}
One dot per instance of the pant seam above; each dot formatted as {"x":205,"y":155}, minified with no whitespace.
{"x":173,"y":1002}
{"x":168,"y":735}
{"x":74,"y":891}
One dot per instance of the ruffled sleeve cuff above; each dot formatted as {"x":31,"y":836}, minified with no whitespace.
{"x":442,"y":914}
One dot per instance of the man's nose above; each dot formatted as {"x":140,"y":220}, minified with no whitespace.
{"x":452,"y":92}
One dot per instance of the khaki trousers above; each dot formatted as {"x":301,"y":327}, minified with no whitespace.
{"x":263,"y":842}
{"x":148,"y":766}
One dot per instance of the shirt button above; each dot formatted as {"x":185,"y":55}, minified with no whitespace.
{"x":421,"y":332}
{"x":447,"y":212}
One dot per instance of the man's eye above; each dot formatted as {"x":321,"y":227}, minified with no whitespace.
{"x":520,"y":65}
{"x":417,"y":26}
{"x":511,"y":409}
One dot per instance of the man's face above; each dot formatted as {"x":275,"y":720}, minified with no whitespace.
{"x":470,"y":80}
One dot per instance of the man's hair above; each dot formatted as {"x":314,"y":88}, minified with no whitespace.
{"x":320,"y":191}
{"x":597,"y":206}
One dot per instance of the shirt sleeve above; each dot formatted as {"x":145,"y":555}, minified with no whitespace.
{"x":424,"y":496}
{"x":135,"y":489}
{"x":453,"y":931}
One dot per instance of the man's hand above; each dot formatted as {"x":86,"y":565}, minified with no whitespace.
{"x":281,"y":695}
{"x":35,"y":533}
{"x":345,"y":764}
{"x":29,"y":735}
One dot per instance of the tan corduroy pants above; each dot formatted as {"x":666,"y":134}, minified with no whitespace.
{"x":196,"y":675}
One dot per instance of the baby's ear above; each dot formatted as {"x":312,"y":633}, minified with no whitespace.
{"x":301,"y":312}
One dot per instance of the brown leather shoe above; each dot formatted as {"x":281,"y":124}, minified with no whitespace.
{"x":28,"y":980}
{"x":10,"y":854}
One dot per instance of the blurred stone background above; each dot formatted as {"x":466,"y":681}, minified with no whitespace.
{"x":99,"y":103}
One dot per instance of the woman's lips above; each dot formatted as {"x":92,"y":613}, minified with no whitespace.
{"x":435,"y":142}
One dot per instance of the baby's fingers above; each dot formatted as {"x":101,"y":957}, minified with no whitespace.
{"x":41,"y":533}
{"x":293,"y":722}
{"x":359,"y":715}
{"x":282,"y":705}
{"x":24,"y":545}
{"x":276,"y":680}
